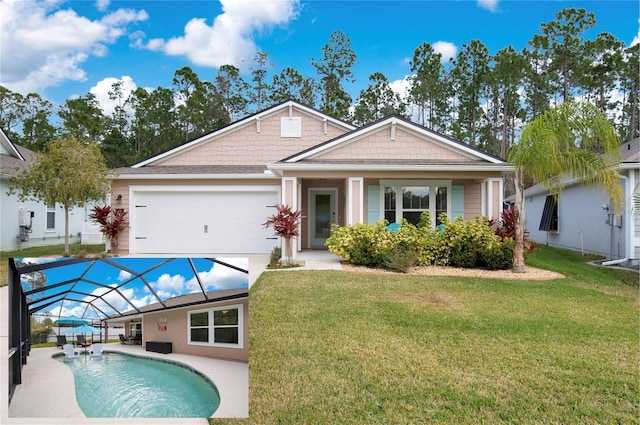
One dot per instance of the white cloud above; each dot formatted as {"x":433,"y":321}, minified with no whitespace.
{"x":490,"y":5}
{"x":103,"y":87}
{"x":102,"y":5}
{"x":447,"y":49}
{"x":44,"y":45}
{"x":61,"y":311}
{"x":222,"y":277}
{"x":123,"y":275}
{"x":230,"y":39}
{"x":402,"y":87}
{"x":636,"y":39}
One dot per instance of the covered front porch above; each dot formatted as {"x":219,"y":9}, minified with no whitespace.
{"x":347,"y":199}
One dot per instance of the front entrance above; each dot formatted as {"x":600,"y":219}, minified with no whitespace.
{"x":322,"y":214}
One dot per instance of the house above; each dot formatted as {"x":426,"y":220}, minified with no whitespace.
{"x":216,"y":326}
{"x":580,"y":218}
{"x":213,"y":194}
{"x":31,"y":223}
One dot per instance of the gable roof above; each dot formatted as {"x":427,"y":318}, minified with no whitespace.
{"x":8,"y":148}
{"x":469,"y":158}
{"x":12,"y":156}
{"x":242,"y":122}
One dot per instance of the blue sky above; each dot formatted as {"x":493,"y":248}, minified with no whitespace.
{"x":61,"y":49}
{"x":174,"y":278}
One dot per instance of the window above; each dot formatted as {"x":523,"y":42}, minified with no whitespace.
{"x":51,"y":217}
{"x":135,"y":329}
{"x":549,"y":220}
{"x":220,"y":326}
{"x":408,"y":199}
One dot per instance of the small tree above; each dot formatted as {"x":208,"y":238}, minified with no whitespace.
{"x":111,"y":222}
{"x":68,"y":172}
{"x":285,"y":224}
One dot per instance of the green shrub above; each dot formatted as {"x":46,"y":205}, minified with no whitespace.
{"x":458,"y":243}
{"x":500,"y":256}
{"x":360,"y":244}
{"x":469,"y":242}
{"x":39,"y":335}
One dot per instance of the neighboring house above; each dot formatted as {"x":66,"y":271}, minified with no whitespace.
{"x":31,"y":223}
{"x":213,"y":194}
{"x":217,"y":326}
{"x":580,"y":218}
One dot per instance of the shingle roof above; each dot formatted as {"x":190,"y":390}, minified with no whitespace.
{"x":630,"y":151}
{"x":9,"y":165}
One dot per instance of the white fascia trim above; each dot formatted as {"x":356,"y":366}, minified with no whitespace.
{"x":395,"y":121}
{"x":9,"y":146}
{"x":265,"y":176}
{"x":504,"y":167}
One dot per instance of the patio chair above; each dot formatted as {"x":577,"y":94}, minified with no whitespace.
{"x":62,"y":340}
{"x":80,"y":341}
{"x":96,"y":350}
{"x":137,"y":339}
{"x":69,"y":351}
{"x":124,"y":340}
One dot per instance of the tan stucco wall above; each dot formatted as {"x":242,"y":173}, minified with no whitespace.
{"x":245,"y":146}
{"x":405,"y":146}
{"x":177,"y":331}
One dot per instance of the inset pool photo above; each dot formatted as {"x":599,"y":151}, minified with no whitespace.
{"x":128,"y":337}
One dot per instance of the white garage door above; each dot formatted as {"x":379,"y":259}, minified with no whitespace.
{"x":202,"y":222}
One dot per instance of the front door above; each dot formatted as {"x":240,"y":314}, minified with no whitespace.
{"x":322,"y":214}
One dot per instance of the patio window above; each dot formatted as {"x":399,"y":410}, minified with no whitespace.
{"x":220,"y":326}
{"x":408,"y":199}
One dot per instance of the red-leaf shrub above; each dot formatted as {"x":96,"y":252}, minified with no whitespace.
{"x":285,"y":224}
{"x":111,"y":222}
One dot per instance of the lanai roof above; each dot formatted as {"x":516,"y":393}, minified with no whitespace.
{"x":101,"y":288}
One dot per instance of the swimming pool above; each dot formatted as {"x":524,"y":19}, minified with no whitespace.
{"x":124,"y":386}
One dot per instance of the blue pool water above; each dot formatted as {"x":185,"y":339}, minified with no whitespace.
{"x":122,"y":386}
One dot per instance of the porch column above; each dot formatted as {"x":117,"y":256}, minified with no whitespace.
{"x":290,"y":197}
{"x":355,"y":200}
{"x":493,"y":196}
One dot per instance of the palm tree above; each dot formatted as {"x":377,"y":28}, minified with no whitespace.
{"x":574,"y":140}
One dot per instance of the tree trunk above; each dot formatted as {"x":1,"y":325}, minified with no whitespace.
{"x":287,"y":250}
{"x":518,"y":251}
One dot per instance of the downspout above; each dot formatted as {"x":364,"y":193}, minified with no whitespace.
{"x":627,"y":224}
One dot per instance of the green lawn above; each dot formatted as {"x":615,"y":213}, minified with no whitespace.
{"x":338,"y":347}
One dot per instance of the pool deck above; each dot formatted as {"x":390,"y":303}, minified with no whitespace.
{"x":48,"y":389}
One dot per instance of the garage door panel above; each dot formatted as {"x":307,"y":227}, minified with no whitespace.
{"x":203,"y":222}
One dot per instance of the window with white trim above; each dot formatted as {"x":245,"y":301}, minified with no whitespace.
{"x":216,"y":327}
{"x":408,"y":199}
{"x":51,"y":217}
